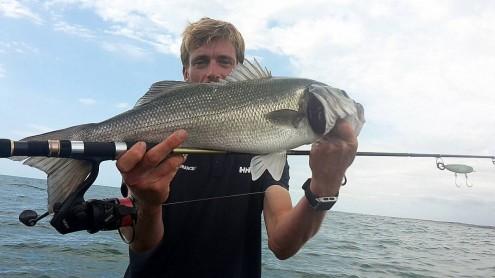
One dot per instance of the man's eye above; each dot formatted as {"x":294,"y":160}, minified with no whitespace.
{"x":226,"y":62}
{"x":200,"y":62}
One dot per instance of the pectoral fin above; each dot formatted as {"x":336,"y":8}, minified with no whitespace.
{"x":285,"y":117}
{"x":274,"y":163}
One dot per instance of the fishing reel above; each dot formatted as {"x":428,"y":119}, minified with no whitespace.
{"x":91,"y":215}
{"x":76,"y":214}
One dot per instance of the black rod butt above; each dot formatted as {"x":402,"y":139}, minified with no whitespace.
{"x":5,"y":148}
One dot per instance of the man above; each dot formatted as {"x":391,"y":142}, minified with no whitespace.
{"x":220,"y":235}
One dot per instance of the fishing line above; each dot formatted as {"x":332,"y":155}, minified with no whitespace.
{"x":344,"y":182}
{"x":212,"y":198}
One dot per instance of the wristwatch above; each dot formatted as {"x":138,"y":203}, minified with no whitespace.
{"x":318,"y":203}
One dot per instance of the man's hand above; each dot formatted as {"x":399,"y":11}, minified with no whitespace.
{"x":330,"y":157}
{"x":148,"y":173}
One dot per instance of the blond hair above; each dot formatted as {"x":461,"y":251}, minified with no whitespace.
{"x":207,"y":30}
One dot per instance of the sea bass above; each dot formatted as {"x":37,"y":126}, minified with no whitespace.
{"x":248,"y":112}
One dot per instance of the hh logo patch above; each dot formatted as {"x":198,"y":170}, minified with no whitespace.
{"x":188,"y":168}
{"x":244,"y":170}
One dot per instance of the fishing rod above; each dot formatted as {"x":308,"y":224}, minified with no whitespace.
{"x":76,"y":214}
{"x":100,"y":151}
{"x":113,"y":150}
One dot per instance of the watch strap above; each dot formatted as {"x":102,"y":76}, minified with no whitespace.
{"x":318,"y":203}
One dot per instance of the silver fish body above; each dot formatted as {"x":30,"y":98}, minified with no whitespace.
{"x":252,"y":116}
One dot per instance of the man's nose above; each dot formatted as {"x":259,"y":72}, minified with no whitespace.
{"x":213,"y":73}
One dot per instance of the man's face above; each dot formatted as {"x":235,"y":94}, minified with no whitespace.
{"x":210,"y":62}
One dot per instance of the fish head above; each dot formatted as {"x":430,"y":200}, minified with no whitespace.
{"x":326,"y":104}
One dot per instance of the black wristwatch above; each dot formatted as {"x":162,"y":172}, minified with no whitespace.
{"x":318,"y":203}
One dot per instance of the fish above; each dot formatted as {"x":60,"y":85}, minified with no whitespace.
{"x":249,"y":111}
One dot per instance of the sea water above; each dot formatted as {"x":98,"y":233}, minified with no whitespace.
{"x":347,"y":245}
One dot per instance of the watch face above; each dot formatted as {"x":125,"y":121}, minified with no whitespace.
{"x":326,"y":199}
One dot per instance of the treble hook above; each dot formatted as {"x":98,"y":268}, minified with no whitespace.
{"x":466,"y":183}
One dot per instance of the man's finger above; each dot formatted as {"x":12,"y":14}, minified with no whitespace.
{"x":170,"y":165}
{"x":158,"y":153}
{"x":131,"y":157}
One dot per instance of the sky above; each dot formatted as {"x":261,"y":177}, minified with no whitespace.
{"x":423,"y":71}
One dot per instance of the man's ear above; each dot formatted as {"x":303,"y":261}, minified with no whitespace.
{"x":185,"y":73}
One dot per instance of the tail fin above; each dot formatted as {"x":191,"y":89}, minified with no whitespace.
{"x":64,"y":174}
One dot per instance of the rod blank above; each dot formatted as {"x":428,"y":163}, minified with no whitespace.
{"x":112,"y":150}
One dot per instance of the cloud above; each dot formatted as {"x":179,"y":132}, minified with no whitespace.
{"x":18,"y":47}
{"x":415,"y":80}
{"x":423,"y":85}
{"x":15,"y":9}
{"x":122,"y":105}
{"x":157,"y":24}
{"x":2,"y":71}
{"x":87,"y":101}
{"x":30,"y":130}
{"x":377,"y":185}
{"x":74,"y":29}
{"x":125,"y":49}
{"x":39,"y":128}
{"x":422,"y":71}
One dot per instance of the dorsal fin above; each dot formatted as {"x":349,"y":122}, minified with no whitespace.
{"x":158,"y":89}
{"x":248,"y":71}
